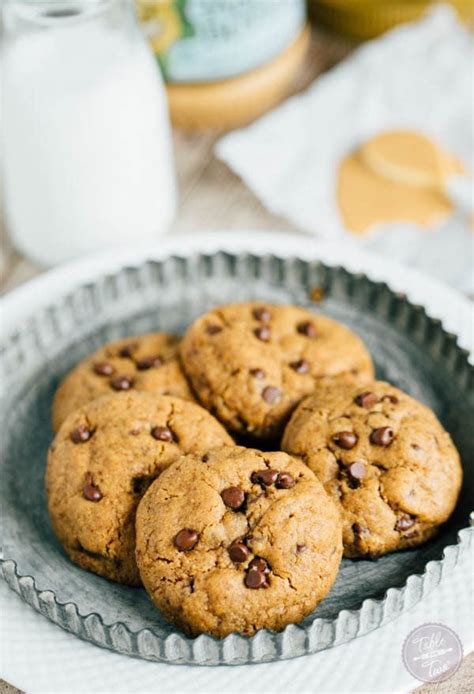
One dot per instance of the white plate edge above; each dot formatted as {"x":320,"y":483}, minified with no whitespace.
{"x":451,"y":307}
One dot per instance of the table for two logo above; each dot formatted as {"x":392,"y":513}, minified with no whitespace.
{"x":432,"y":653}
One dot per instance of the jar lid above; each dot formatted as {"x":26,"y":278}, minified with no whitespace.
{"x":365,"y":19}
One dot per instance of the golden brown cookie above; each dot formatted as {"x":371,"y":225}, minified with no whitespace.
{"x":237,"y":540}
{"x":100,"y":464}
{"x":386,"y":460}
{"x":251,"y":363}
{"x":145,"y":362}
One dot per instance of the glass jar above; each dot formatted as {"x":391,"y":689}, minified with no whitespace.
{"x":87,"y":158}
{"x":225,"y":62}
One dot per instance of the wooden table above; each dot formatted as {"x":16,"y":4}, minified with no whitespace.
{"x":213,"y":198}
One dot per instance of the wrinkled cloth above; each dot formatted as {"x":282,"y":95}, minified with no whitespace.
{"x":417,"y":76}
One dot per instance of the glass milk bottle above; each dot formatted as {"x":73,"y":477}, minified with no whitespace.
{"x":87,"y":158}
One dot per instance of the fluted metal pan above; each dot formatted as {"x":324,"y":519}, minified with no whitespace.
{"x":409,"y":348}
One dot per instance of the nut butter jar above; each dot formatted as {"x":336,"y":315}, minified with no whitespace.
{"x":225,"y":63}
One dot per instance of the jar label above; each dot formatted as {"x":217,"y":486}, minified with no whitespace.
{"x":204,"y":40}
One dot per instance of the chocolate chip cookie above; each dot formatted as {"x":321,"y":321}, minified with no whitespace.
{"x":100,"y":464}
{"x":237,"y":540}
{"x":386,"y":460}
{"x":251,"y":363}
{"x":146,"y":362}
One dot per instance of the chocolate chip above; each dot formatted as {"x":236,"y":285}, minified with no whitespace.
{"x":307,"y":328}
{"x":259,"y":564}
{"x":162,"y":434}
{"x":271,"y":395}
{"x":366,"y":400}
{"x":265,"y":477}
{"x":213,"y":329}
{"x":345,"y":439}
{"x":258,"y":373}
{"x":391,"y":398}
{"x":127,"y":350}
{"x":262,"y":314}
{"x":255,"y":579}
{"x":81,"y":434}
{"x":357,"y":470}
{"x":263,"y":333}
{"x":186,"y":539}
{"x":239,"y":552}
{"x":404,"y":522}
{"x":257,"y":573}
{"x":233,"y":497}
{"x":284,"y":481}
{"x":90,"y":491}
{"x":301,"y":366}
{"x":300,"y":548}
{"x":122,"y":383}
{"x":103,"y":368}
{"x":415,"y":447}
{"x":383,"y":436}
{"x":149,"y":363}
{"x":358,"y":529}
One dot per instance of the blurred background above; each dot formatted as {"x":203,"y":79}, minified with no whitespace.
{"x":349,"y":120}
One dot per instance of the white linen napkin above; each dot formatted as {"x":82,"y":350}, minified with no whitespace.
{"x":418,"y":76}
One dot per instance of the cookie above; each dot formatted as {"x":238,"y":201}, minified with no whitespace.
{"x":146,"y":362}
{"x":251,"y":363}
{"x":237,"y":540}
{"x":384,"y":458}
{"x":100,"y":464}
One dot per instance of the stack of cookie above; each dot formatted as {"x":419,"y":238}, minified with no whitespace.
{"x":146,"y":486}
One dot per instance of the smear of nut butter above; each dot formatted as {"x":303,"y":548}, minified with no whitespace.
{"x":395,"y":176}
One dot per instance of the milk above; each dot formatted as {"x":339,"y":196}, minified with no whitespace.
{"x":87,"y":161}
